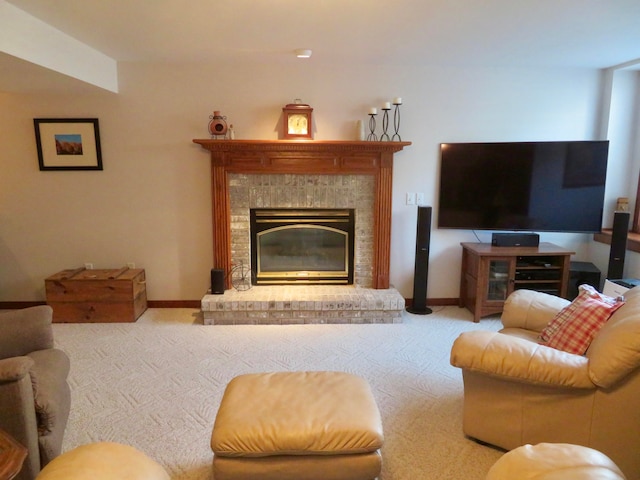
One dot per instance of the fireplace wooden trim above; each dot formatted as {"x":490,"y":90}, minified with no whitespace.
{"x":302,"y":157}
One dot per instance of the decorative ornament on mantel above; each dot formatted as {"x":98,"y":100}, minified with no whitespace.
{"x":218,"y":125}
{"x":396,"y":119}
{"x":386,"y":107}
{"x":385,"y":121}
{"x":372,"y":137}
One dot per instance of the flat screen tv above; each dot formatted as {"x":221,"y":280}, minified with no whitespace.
{"x":523,"y":186}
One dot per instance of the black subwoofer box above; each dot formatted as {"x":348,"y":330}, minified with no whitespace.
{"x":579,"y":274}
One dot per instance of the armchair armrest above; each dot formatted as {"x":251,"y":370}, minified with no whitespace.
{"x":14,"y":368}
{"x":17,"y":409}
{"x":531,"y":310}
{"x":26,"y":330}
{"x":504,"y":356}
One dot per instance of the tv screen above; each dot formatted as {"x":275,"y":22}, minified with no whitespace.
{"x":523,"y":186}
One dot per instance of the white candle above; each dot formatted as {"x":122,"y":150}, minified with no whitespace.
{"x":373,"y":111}
{"x":360,"y":130}
{"x":386,"y":106}
{"x":397,"y":101}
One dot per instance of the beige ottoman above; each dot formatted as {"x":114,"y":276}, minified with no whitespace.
{"x":554,"y":461}
{"x":103,"y":461}
{"x":297,"y":426}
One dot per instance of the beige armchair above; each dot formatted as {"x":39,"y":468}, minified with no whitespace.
{"x":34,"y":393}
{"x":553,"y":461}
{"x":519,"y":392}
{"x":103,"y":461}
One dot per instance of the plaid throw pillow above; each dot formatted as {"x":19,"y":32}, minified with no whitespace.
{"x":573,"y":328}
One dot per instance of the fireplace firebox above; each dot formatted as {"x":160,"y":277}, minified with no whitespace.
{"x":302,"y":246}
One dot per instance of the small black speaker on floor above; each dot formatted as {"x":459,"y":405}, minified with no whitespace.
{"x":421,"y":273}
{"x":217,"y":281}
{"x":618,"y":245}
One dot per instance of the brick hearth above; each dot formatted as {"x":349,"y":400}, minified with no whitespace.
{"x":297,"y":304}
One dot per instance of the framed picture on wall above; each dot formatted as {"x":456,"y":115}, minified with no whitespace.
{"x":68,"y":143}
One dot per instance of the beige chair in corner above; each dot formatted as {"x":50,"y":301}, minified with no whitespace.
{"x":34,"y":393}
{"x":554,"y":461}
{"x":519,"y":392}
{"x":103,"y":461}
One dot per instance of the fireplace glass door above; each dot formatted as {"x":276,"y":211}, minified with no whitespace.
{"x":306,"y":246}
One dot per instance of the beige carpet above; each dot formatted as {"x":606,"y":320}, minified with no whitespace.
{"x":156,"y":384}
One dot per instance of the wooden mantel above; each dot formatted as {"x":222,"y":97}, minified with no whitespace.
{"x":303,"y":157}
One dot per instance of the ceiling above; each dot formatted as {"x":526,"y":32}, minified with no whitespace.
{"x":522,"y":33}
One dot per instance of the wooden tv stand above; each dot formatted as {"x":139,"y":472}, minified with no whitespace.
{"x":489,"y":274}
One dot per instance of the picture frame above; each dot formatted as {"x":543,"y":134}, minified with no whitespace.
{"x":68,"y":143}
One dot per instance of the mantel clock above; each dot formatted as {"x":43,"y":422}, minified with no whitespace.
{"x":297,"y":121}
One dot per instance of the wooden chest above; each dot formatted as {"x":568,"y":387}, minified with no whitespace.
{"x":81,"y":295}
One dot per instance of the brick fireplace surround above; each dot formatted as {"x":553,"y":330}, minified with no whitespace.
{"x":310,"y":174}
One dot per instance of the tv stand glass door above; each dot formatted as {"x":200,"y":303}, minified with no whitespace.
{"x":498,"y":280}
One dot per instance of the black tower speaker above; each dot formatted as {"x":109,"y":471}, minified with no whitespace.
{"x":618,"y":245}
{"x":217,"y":281}
{"x":421,"y":274}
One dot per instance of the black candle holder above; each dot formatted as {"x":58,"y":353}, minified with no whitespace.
{"x":385,"y":125}
{"x":396,"y":122}
{"x":372,"y":128}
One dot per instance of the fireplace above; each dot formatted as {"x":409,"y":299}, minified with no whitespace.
{"x":240,"y":159}
{"x":301,"y":175}
{"x":302,"y":246}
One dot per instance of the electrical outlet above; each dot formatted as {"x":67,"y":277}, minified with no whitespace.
{"x":420,"y":198}
{"x":411,"y":198}
{"x":88,"y":266}
{"x":131,"y":265}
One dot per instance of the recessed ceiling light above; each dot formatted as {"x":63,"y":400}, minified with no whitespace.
{"x":303,"y":53}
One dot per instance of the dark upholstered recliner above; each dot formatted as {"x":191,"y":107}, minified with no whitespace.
{"x":34,"y":393}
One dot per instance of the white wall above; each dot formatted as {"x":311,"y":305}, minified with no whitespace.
{"x":151,"y":204}
{"x":624,"y":162}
